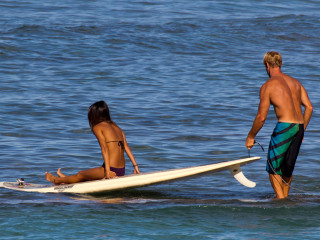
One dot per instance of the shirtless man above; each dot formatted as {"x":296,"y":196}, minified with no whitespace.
{"x":286,"y":94}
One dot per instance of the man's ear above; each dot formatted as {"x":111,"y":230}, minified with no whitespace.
{"x":267,"y":65}
{"x":268,"y":68}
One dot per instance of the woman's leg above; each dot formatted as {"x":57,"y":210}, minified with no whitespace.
{"x":86,"y":175}
{"x":60,"y":174}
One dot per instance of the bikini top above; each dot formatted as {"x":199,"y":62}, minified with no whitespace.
{"x":120,"y":144}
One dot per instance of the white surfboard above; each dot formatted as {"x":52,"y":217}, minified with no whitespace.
{"x":137,"y":180}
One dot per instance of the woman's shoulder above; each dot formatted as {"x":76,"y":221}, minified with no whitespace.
{"x":102,"y":126}
{"x":107,"y":127}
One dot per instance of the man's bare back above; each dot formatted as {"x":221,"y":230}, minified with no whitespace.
{"x":285,"y":96}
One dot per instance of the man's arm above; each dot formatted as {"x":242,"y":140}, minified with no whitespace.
{"x":305,"y":101}
{"x":260,"y":117}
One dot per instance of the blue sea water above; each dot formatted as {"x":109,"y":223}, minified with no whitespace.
{"x":182,"y":80}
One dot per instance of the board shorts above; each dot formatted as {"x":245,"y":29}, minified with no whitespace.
{"x":119,"y":171}
{"x":284,"y":148}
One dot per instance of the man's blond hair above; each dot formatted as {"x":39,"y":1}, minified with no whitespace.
{"x":273,"y":58}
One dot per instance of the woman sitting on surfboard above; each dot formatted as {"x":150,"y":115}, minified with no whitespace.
{"x":113,"y":144}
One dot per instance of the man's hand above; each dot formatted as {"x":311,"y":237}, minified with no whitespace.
{"x":249,"y":142}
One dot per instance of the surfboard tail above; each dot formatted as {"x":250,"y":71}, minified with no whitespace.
{"x":239,"y":176}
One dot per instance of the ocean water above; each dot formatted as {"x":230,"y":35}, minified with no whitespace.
{"x":182,"y":80}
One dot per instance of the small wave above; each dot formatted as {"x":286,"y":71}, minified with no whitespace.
{"x":190,"y":138}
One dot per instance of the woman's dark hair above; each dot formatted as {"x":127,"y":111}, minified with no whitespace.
{"x":97,"y":113}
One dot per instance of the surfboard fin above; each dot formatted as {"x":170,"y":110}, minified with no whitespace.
{"x":238,"y":174}
{"x":20,"y":181}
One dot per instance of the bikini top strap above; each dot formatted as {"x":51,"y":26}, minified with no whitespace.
{"x":120,"y":143}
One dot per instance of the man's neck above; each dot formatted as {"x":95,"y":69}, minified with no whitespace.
{"x":276,"y":71}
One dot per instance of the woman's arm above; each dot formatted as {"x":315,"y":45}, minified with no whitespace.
{"x":130,"y":155}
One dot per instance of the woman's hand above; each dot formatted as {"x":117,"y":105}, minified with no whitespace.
{"x":110,"y":175}
{"x":136,"y":169}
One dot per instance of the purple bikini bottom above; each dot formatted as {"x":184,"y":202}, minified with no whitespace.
{"x":118,"y":171}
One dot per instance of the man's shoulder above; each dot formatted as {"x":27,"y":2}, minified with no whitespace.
{"x":266,"y":88}
{"x":270,"y":83}
{"x":291,"y":79}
